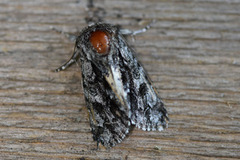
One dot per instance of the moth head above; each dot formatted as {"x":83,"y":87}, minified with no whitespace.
{"x":97,"y":44}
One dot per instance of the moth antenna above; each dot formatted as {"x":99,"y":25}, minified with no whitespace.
{"x":71,"y":37}
{"x":133,"y":33}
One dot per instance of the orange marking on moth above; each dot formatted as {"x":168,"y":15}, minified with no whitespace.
{"x":100,"y":41}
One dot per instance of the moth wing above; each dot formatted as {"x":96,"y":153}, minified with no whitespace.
{"x":145,"y":108}
{"x":150,"y":113}
{"x":108,"y":119}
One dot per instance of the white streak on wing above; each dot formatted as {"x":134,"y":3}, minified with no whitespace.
{"x":115,"y":81}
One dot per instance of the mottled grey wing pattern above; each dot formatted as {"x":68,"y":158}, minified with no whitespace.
{"x":146,"y":110}
{"x":108,"y":119}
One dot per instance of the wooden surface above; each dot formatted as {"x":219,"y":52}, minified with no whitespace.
{"x":192,"y":54}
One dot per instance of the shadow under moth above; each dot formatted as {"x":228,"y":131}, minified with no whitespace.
{"x":118,"y":92}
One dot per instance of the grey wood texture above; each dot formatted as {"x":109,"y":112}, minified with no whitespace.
{"x":192,"y":54}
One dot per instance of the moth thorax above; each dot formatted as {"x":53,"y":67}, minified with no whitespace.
{"x":100,"y":41}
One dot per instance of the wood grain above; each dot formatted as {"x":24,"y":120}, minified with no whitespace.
{"x":192,"y":54}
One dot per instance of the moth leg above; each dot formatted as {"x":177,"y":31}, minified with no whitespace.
{"x":133,"y":33}
{"x":72,"y":60}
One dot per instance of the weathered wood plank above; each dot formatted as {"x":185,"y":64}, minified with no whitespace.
{"x":192,"y":54}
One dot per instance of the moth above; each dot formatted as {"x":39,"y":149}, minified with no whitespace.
{"x":118,"y":92}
